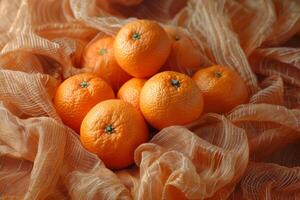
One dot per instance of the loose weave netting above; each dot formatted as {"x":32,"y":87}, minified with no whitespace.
{"x":252,"y":152}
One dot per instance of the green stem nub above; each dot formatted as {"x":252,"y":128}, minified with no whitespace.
{"x":109,"y":129}
{"x":218,"y":74}
{"x":136,"y":36}
{"x":175,"y":83}
{"x":102,"y":51}
{"x":84,"y":84}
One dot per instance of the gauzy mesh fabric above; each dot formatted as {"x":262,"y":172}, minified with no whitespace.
{"x":250,"y":153}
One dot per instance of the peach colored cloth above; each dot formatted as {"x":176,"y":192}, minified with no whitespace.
{"x":250,"y":153}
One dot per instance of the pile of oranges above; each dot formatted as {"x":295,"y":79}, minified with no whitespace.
{"x":134,"y":82}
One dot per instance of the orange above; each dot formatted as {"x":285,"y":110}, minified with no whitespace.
{"x":141,"y":48}
{"x":113,"y":129}
{"x":222,"y":88}
{"x":130,"y":91}
{"x":77,"y":95}
{"x":184,"y":55}
{"x":99,"y":58}
{"x":170,"y":98}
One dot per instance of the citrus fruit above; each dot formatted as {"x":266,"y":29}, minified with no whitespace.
{"x":77,"y":95}
{"x":141,"y":48}
{"x":99,"y":58}
{"x":130,"y":91}
{"x":113,"y":129}
{"x":222,"y":88}
{"x":184,"y":55}
{"x":170,"y":98}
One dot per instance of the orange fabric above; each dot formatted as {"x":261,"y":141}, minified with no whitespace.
{"x":252,"y":152}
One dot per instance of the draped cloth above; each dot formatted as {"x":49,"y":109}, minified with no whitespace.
{"x":252,"y":152}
